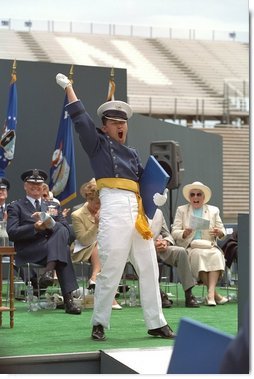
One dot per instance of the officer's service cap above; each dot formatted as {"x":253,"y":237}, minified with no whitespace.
{"x":115,"y":110}
{"x":4,"y":184}
{"x":34,"y":176}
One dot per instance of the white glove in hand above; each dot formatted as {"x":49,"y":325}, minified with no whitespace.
{"x":63,"y":81}
{"x":159,"y":199}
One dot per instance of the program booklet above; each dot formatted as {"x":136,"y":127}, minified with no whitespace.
{"x":44,"y":216}
{"x":199,"y":223}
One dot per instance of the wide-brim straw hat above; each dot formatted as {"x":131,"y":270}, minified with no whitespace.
{"x":197,"y":186}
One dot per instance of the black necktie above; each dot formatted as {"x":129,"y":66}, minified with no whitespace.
{"x":37,"y":205}
{"x":1,"y":213}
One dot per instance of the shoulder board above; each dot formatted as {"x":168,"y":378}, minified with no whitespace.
{"x":13,"y":202}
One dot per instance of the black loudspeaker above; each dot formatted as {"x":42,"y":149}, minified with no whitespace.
{"x":168,"y":154}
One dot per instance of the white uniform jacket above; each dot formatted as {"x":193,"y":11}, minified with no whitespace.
{"x":182,"y":221}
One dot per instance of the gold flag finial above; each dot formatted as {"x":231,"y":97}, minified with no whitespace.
{"x":13,"y":73}
{"x":111,"y":86}
{"x":71,"y":73}
{"x":14,"y":66}
{"x":112,"y":73}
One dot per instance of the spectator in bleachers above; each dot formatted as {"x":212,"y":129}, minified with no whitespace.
{"x":206,"y":259}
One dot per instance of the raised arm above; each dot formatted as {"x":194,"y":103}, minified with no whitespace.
{"x":66,"y":84}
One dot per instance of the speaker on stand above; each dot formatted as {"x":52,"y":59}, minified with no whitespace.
{"x":168,"y":154}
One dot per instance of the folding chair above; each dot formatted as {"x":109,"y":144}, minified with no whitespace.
{"x":130,"y":274}
{"x":82,"y":270}
{"x":168,"y":279}
{"x":26,"y":276}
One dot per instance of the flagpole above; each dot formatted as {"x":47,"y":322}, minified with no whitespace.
{"x":13,"y":74}
{"x":112,"y":74}
{"x":112,"y":86}
{"x":8,"y":137}
{"x":63,"y":170}
{"x":71,"y":72}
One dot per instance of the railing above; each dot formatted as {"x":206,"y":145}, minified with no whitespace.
{"x":128,"y":30}
{"x":237,"y":93}
{"x":199,"y":109}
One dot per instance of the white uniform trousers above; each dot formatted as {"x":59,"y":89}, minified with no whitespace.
{"x":118,"y":242}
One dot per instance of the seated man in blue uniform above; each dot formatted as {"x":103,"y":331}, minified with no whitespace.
{"x":123,"y":232}
{"x":42,"y":242}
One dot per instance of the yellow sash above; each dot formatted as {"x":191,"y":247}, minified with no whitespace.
{"x":141,"y":224}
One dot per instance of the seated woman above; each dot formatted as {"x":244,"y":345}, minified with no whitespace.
{"x":85,"y":222}
{"x":206,"y":259}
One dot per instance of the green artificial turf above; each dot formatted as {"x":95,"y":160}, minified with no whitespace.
{"x":55,"y":332}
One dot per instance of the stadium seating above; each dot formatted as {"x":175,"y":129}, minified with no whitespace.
{"x":167,"y":78}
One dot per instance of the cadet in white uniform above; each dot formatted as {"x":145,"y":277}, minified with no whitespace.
{"x":123,"y":228}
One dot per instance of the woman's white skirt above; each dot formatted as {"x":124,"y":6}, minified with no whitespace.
{"x":206,"y":260}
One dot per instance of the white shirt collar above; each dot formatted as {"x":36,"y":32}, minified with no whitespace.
{"x":32,"y":200}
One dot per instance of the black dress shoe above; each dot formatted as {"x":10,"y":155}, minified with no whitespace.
{"x":34,"y":283}
{"x":163,"y":332}
{"x":70,"y":306}
{"x":47,"y":279}
{"x":98,"y":333}
{"x":91,"y":285}
{"x":165,"y":301}
{"x":123,"y":288}
{"x":72,"y":309}
{"x":191,"y":302}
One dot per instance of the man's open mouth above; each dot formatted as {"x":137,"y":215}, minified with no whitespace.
{"x":120,"y":135}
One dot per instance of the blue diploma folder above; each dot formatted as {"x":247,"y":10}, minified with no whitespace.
{"x":198,"y":348}
{"x":154,"y":179}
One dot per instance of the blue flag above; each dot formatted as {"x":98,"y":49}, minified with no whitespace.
{"x":8,"y":136}
{"x":63,"y":168}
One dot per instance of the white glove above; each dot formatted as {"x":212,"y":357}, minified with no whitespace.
{"x":159,"y":199}
{"x":63,"y":81}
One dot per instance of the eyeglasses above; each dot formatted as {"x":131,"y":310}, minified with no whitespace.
{"x":198,"y":194}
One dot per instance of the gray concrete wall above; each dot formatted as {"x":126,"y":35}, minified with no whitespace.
{"x":201,"y":153}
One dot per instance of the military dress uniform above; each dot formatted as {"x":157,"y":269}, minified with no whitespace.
{"x":42,"y":246}
{"x":118,"y":238}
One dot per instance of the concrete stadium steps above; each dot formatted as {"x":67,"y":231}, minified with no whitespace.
{"x":34,"y":46}
{"x":52,"y":49}
{"x":13,"y":47}
{"x":236,"y":168}
{"x":210,"y":62}
{"x":164,"y":76}
{"x":166,"y":47}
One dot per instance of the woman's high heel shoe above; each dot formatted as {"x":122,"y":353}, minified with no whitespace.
{"x":209,"y":302}
{"x":222,"y":301}
{"x":91,"y":285}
